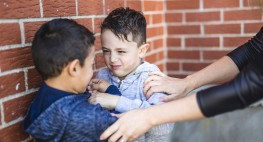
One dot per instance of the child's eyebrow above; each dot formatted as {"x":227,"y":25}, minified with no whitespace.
{"x":114,"y":49}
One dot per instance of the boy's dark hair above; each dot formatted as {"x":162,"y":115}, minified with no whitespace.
{"x":123,"y":21}
{"x":59,"y":42}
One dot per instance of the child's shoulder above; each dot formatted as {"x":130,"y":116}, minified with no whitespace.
{"x":148,"y":67}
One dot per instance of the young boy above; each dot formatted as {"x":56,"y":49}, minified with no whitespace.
{"x":63,"y":54}
{"x":123,"y":38}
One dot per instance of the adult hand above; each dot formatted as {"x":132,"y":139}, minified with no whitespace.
{"x":159,"y":82}
{"x":128,"y":127}
{"x":98,"y":84}
{"x":106,"y":101}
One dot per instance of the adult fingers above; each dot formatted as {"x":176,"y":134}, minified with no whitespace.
{"x":171,"y":97}
{"x":158,"y":73}
{"x":152,"y":78}
{"x":150,"y":84}
{"x":110,"y":131}
{"x":154,"y":88}
{"x":168,"y":98}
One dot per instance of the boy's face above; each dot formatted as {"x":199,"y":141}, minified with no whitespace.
{"x":86,"y":71}
{"x":120,"y":56}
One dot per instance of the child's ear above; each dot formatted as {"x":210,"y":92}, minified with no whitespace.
{"x":74,"y":67}
{"x":143,"y":49}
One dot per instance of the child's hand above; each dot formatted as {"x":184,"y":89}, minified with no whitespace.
{"x":98,"y":84}
{"x":107,"y":101}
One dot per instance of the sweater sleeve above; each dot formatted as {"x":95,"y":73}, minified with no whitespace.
{"x":242,"y":91}
{"x":125,"y":104}
{"x":103,"y":120}
{"x":248,"y":51}
{"x":87,"y":122}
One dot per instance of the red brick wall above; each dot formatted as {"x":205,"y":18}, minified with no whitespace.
{"x":201,"y":31}
{"x":19,"y":21}
{"x":185,"y":36}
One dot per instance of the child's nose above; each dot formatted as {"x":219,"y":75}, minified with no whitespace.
{"x":113,"y":58}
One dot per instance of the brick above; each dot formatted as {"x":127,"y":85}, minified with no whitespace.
{"x":203,"y":16}
{"x":15,"y":58}
{"x":182,"y":4}
{"x":113,"y":4}
{"x":192,"y":29}
{"x":17,"y":107}
{"x":54,"y":8}
{"x":160,"y":55}
{"x":0,"y":116}
{"x":183,"y":54}
{"x":202,"y":42}
{"x":221,"y":3}
{"x":252,"y":27}
{"x":30,"y":30}
{"x":98,"y":43}
{"x":13,"y":9}
{"x":151,"y":48}
{"x":235,"y":41}
{"x":153,"y":5}
{"x":34,"y":79}
{"x":173,"y":17}
{"x":157,"y":18}
{"x":97,"y":23}
{"x":249,"y":3}
{"x":242,"y":15}
{"x":178,"y":75}
{"x":87,"y":22}
{"x":13,"y":133}
{"x":155,"y":31}
{"x":173,"y":42}
{"x":161,"y":67}
{"x":147,"y":17}
{"x":11,"y":84}
{"x":6,"y":38}
{"x":172,"y":66}
{"x":214,"y":55}
{"x":194,"y":66}
{"x":152,"y":58}
{"x":157,"y":44}
{"x":223,"y":29}
{"x":134,"y":4}
{"x":99,"y":61}
{"x":90,"y":7}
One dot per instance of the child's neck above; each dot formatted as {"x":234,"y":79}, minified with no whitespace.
{"x":60,"y":84}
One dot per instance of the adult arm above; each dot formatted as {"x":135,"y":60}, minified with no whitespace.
{"x":245,"y":89}
{"x":220,"y":71}
{"x":223,"y":70}
{"x":240,"y":92}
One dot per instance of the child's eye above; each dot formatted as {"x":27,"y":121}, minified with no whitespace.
{"x":121,"y":52}
{"x":106,"y":52}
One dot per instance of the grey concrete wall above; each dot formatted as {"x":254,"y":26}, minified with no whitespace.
{"x":239,"y":126}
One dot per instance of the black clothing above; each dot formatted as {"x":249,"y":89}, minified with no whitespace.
{"x":245,"y":89}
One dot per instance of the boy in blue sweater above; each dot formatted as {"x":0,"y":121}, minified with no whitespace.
{"x":63,"y":54}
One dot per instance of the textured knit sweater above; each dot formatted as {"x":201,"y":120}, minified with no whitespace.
{"x":56,"y":115}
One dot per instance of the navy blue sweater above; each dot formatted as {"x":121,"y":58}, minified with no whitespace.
{"x":57,"y":115}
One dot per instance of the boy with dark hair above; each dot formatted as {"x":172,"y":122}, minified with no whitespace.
{"x":123,"y":38}
{"x":63,"y":54}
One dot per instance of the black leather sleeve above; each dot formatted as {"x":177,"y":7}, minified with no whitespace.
{"x":240,"y":92}
{"x":248,"y":51}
